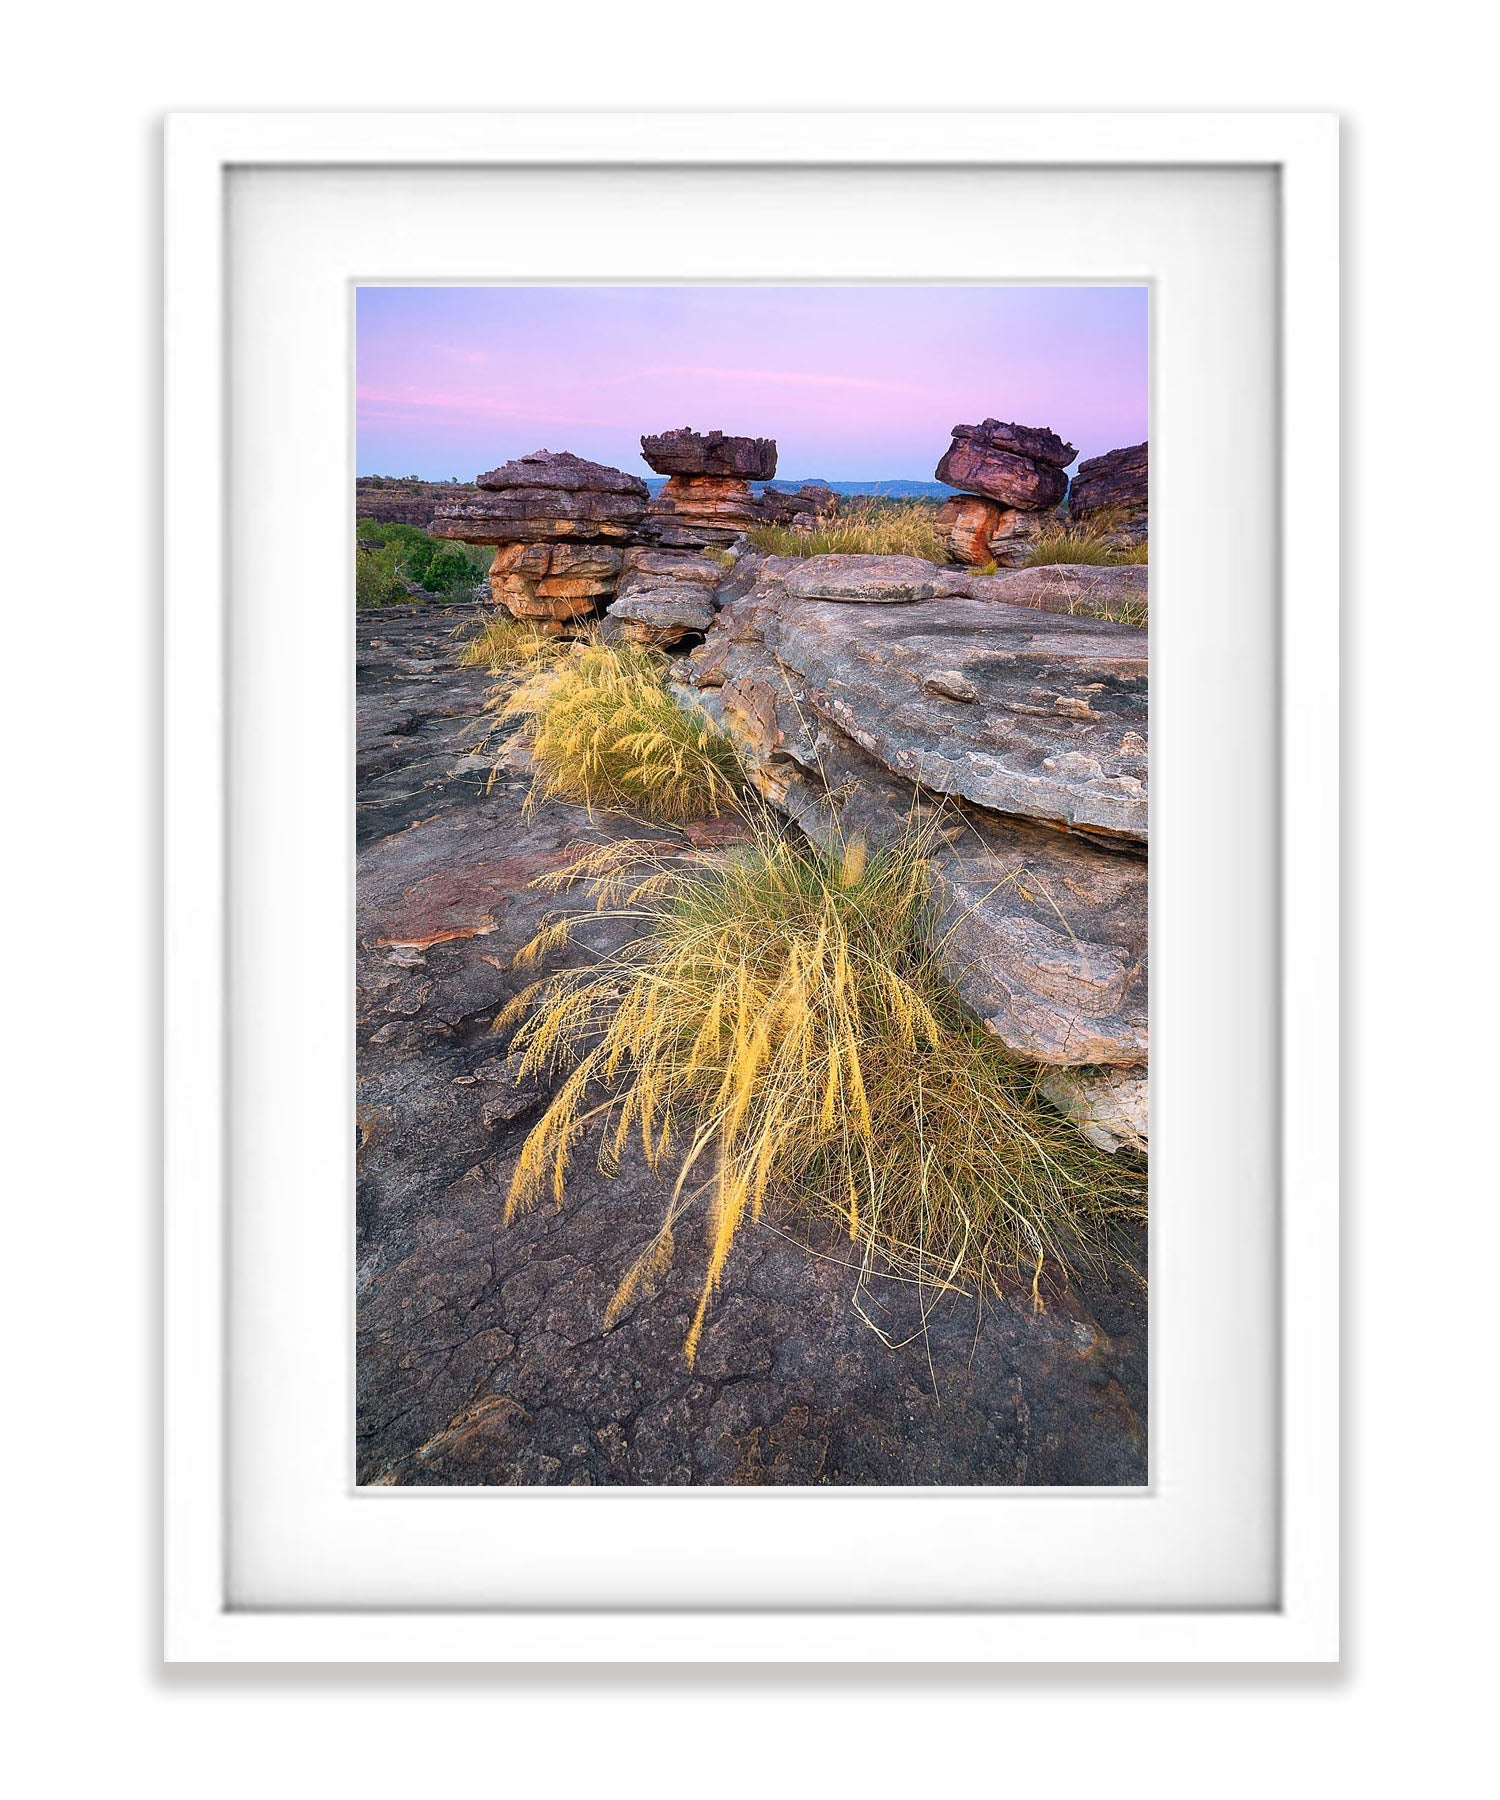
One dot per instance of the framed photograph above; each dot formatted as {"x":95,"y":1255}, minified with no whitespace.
{"x":665,"y":619}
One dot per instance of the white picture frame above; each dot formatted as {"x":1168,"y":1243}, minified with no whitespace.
{"x":202,"y":1621}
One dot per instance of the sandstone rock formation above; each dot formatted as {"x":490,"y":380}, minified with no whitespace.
{"x":1018,"y":465}
{"x":1012,"y":476}
{"x":980,"y":531}
{"x":665,"y":596}
{"x":1116,"y":479}
{"x":700,"y":453}
{"x":707,"y":501}
{"x":1114,"y":486}
{"x":557,"y":521}
{"x":1028,"y":732}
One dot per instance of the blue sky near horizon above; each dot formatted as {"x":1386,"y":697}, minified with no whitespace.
{"x":852,"y":382}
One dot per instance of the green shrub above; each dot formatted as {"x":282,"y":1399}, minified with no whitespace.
{"x":377,"y":578}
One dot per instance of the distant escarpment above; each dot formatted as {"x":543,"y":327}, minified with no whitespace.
{"x":404,"y":500}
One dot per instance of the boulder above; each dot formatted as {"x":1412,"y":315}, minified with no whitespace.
{"x":983,"y":460}
{"x":1000,"y":476}
{"x":862,"y":580}
{"x":1056,"y":731}
{"x":1035,"y":442}
{"x":666,"y":615}
{"x":689,"y":452}
{"x":1115,"y":481}
{"x":1044,"y":931}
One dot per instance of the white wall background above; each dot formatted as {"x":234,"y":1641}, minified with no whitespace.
{"x":88,"y":85}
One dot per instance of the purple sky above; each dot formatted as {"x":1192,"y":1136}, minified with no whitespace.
{"x":852,"y":382}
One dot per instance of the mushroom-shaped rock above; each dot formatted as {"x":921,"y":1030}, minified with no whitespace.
{"x":689,"y":452}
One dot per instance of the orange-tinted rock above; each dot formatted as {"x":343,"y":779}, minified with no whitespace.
{"x":695,"y":512}
{"x":969,"y":524}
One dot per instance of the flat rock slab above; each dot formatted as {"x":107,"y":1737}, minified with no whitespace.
{"x":1045,"y":931}
{"x":1056,"y":726}
{"x":1117,"y":595}
{"x":864,"y":580}
{"x":688,"y":452}
{"x":482,"y":1357}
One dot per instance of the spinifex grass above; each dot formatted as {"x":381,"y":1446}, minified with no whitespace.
{"x":1084,"y":541}
{"x":869,"y":527}
{"x":606,"y":733}
{"x":777,"y":1035}
{"x":497,"y":642}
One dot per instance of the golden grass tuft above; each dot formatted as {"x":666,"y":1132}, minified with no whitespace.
{"x":778,"y":1034}
{"x":497,"y":642}
{"x":1083,"y":541}
{"x":867,"y":526}
{"x":607,"y":734}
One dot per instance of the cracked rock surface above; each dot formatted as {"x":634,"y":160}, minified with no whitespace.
{"x":482,"y":1357}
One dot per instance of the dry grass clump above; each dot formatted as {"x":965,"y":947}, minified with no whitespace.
{"x":1113,"y":609}
{"x":777,"y":1033}
{"x":1083,"y":541}
{"x":606,"y":733}
{"x":497,"y":642}
{"x":867,"y":527}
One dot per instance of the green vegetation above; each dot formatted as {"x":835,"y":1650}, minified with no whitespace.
{"x":778,"y":1035}
{"x":395,"y":564}
{"x":606,"y":733}
{"x":865,"y":527}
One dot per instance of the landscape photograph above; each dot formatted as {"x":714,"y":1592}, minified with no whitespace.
{"x":751,"y":791}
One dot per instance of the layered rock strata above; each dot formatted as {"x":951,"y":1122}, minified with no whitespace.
{"x":667,"y":592}
{"x":1023,"y":736}
{"x":1012,"y":477}
{"x":666,"y":596}
{"x":707,"y":501}
{"x":559,"y":524}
